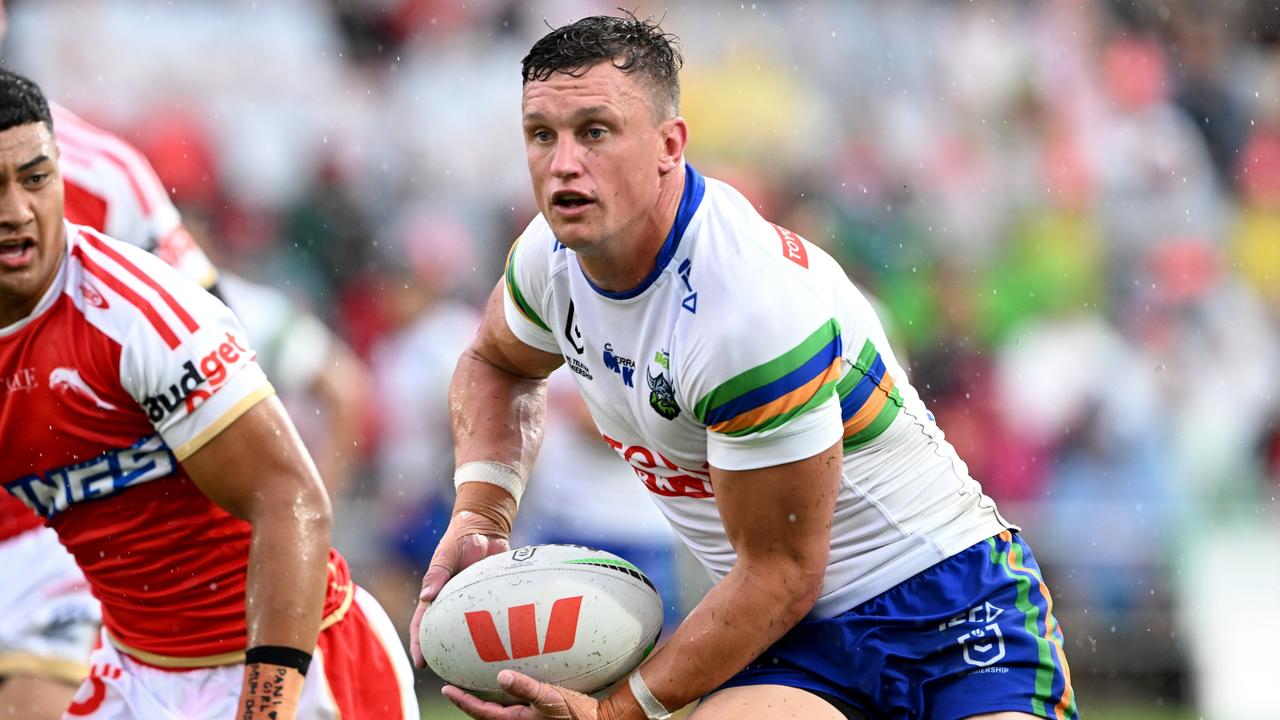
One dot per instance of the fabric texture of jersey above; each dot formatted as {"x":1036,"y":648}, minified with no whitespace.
{"x":50,"y":617}
{"x":111,"y":188}
{"x":132,"y":369}
{"x":974,"y":634}
{"x":358,"y":672}
{"x":748,"y":347}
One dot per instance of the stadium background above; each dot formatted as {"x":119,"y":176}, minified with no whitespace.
{"x":1070,"y":212}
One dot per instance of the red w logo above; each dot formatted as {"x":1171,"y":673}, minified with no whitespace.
{"x":562,"y":631}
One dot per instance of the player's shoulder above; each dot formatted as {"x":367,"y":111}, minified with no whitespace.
{"x":740,"y":239}
{"x":123,"y":288}
{"x":746,"y":269}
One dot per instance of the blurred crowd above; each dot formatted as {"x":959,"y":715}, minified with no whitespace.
{"x":1069,"y":211}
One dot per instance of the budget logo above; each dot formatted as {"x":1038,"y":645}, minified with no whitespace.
{"x":198,"y":384}
{"x":522,"y":626}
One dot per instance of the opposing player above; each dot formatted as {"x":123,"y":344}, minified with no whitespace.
{"x":861,"y":571}
{"x":148,"y":438}
{"x":51,"y":617}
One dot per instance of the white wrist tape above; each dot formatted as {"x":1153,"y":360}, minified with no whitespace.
{"x":653,"y":709}
{"x":494,"y":473}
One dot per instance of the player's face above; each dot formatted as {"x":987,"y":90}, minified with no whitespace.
{"x":595,"y":153}
{"x":31,"y":233}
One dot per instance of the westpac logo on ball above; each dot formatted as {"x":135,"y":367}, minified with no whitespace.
{"x":522,"y":628}
{"x":564,"y":614}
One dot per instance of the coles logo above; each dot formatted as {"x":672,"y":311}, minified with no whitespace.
{"x":660,"y":475}
{"x":198,"y":384}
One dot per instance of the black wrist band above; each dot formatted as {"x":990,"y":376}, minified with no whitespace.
{"x":278,"y":655}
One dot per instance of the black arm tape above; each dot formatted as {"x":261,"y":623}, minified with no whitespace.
{"x":278,"y":655}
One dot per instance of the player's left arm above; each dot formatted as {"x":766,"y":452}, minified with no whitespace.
{"x":779,"y":521}
{"x":258,"y":470}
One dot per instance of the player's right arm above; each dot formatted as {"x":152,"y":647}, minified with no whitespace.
{"x":497,"y":406}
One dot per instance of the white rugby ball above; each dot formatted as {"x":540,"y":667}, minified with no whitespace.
{"x":564,"y":614}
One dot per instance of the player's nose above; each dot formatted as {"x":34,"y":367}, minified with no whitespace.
{"x":565,"y":158}
{"x":15,"y":212}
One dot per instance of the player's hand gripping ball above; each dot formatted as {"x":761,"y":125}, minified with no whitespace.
{"x":563,"y":614}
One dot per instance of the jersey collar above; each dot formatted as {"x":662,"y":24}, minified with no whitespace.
{"x":51,"y":293}
{"x":694,"y":188}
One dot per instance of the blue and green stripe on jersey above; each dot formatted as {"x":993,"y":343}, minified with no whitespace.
{"x":799,"y":380}
{"x":869,"y":400}
{"x":772,"y":393}
{"x":513,"y":289}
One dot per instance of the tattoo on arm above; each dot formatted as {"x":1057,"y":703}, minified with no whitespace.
{"x":264,"y":693}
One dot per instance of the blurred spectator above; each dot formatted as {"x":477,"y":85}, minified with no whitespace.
{"x":322,"y":383}
{"x":412,"y":366}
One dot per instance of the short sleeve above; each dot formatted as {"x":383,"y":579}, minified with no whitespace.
{"x":188,"y":362}
{"x":763,"y":382}
{"x":526,"y":280}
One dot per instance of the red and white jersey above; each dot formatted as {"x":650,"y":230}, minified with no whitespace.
{"x":112,"y":188}
{"x":123,"y":370}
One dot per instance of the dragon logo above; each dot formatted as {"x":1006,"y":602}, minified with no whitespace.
{"x":662,"y":395}
{"x":69,"y":380}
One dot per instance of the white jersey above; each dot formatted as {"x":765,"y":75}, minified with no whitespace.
{"x":748,"y":347}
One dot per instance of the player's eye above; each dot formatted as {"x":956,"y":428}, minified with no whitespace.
{"x":35,"y":180}
{"x":596,"y":133}
{"x":542,"y":136}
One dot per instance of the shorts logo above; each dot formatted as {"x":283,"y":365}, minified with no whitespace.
{"x":984,"y":646}
{"x":84,"y":707}
{"x":522,"y":554}
{"x":198,"y":384}
{"x":522,"y":623}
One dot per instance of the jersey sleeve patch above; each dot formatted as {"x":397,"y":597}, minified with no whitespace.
{"x":869,"y":400}
{"x":513,"y":289}
{"x":772,"y":393}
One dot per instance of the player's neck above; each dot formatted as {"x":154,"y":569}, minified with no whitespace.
{"x":623,"y":265}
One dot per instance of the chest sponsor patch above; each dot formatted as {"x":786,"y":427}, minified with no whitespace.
{"x":54,"y":491}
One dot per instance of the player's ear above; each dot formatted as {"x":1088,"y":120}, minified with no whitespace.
{"x":674,"y":135}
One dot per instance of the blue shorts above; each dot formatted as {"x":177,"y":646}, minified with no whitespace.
{"x":973,"y":634}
